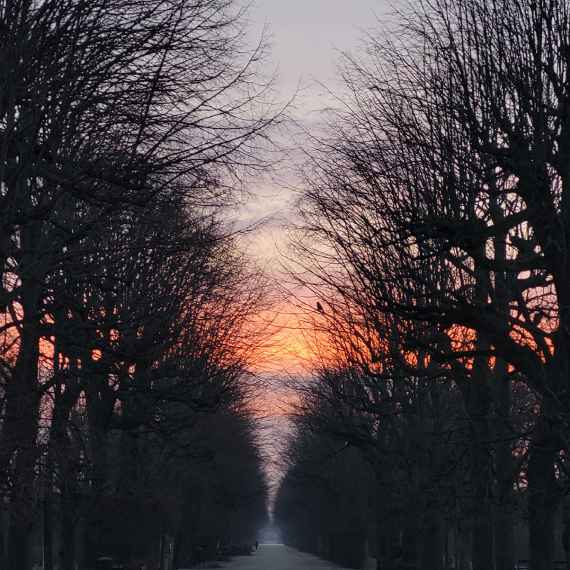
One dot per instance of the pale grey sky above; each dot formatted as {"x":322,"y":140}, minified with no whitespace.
{"x":307,"y":37}
{"x":306,"y":34}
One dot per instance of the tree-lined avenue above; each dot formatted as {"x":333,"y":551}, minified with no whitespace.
{"x":279,"y":557}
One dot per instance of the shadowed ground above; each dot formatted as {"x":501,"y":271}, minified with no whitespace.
{"x":279,"y":557}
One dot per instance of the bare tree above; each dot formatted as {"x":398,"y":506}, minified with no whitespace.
{"x":449,"y":154}
{"x":111,"y":116}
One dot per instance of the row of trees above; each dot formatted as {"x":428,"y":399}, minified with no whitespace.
{"x":436,"y":239}
{"x":324,"y":504}
{"x":125,"y":309}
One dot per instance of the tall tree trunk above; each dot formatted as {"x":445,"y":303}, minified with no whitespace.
{"x":3,"y":532}
{"x":387,"y":544}
{"x":565,"y":536}
{"x":432,"y":538}
{"x":387,"y":519}
{"x":504,"y":467}
{"x":47,"y":528}
{"x":98,"y":443}
{"x":21,"y":425}
{"x":100,"y":403}
{"x":463,"y":540}
{"x":542,"y":495}
{"x":411,"y":538}
{"x":432,"y":547}
{"x":59,"y":446}
{"x":478,"y":405}
{"x":68,"y":508}
{"x":504,"y":464}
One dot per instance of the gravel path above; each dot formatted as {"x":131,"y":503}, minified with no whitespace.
{"x":278,"y":557}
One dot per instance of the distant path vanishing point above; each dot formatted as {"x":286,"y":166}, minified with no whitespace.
{"x":279,"y":557}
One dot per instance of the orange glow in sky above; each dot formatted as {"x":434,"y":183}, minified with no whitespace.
{"x":288,"y":351}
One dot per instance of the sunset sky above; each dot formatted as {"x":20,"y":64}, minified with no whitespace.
{"x":307,"y":37}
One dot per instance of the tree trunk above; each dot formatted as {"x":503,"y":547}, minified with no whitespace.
{"x":387,"y":547}
{"x":3,"y":529}
{"x":47,"y":530}
{"x":67,"y":553}
{"x":412,"y":534}
{"x":432,"y":535}
{"x":60,"y":452}
{"x":477,"y":394}
{"x":565,"y":536}
{"x":478,"y":406}
{"x":463,"y":540}
{"x":18,"y":446}
{"x":21,"y":427}
{"x":162,"y":554}
{"x":504,"y":467}
{"x":386,"y":526}
{"x":504,"y":463}
{"x":542,"y":496}
{"x":482,"y":546}
{"x":387,"y":519}
{"x":100,"y":403}
{"x":19,"y":545}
